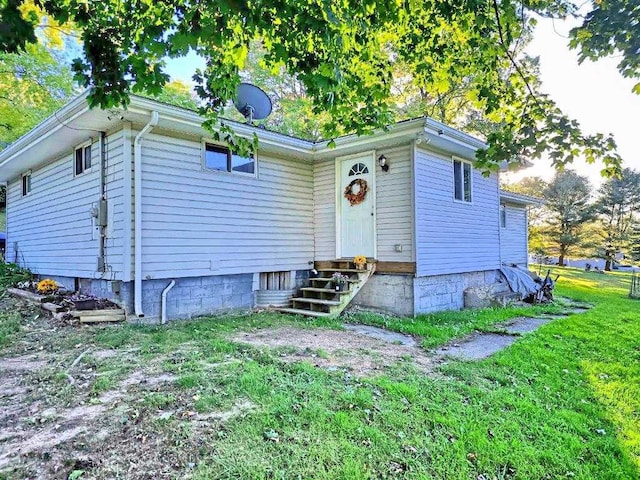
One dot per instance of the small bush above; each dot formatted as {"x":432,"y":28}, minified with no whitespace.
{"x":12,"y":274}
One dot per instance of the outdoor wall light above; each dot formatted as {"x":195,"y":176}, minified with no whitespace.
{"x":383,"y":162}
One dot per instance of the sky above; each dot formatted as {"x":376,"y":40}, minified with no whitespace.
{"x":593,"y":93}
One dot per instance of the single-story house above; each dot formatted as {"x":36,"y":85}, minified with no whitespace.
{"x":140,"y":206}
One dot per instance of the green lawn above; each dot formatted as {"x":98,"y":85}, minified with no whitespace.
{"x":561,"y":403}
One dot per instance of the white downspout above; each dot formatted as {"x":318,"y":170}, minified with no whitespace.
{"x":137,"y":202}
{"x":163,"y":315}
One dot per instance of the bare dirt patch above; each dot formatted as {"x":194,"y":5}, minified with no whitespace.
{"x":326,"y":348}
{"x":50,"y":427}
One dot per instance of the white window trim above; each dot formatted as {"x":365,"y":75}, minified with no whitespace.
{"x":73,"y":158}
{"x":453,"y":180}
{"x":25,"y":174}
{"x":203,"y":153}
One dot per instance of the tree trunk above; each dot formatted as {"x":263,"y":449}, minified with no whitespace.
{"x":561,"y":260}
{"x":607,"y":265}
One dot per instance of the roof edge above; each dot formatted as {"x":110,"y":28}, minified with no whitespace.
{"x":306,"y":148}
{"x":56,"y":120}
{"x":520,"y":198}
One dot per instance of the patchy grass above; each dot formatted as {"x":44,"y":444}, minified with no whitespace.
{"x":436,"y":329}
{"x":560,"y":403}
{"x":9,"y":327}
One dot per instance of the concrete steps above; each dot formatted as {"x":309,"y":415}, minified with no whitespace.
{"x":321,"y":299}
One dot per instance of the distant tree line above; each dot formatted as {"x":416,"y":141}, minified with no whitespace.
{"x":577,"y":221}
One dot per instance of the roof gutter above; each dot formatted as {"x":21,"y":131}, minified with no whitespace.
{"x":51,"y":125}
{"x":193,"y":119}
{"x":137,"y":211}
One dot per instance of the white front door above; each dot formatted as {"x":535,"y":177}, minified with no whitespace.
{"x":356,"y":177}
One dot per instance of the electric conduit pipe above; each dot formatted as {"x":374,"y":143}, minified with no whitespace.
{"x":163,"y":316}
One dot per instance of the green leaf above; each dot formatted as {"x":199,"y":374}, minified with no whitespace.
{"x":74,"y":475}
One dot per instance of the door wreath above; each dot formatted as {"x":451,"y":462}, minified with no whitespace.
{"x":359,"y":196}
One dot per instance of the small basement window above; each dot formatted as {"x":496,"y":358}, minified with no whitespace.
{"x":26,"y":184}
{"x":220,"y":158}
{"x":82,"y":156}
{"x":462,"y":180}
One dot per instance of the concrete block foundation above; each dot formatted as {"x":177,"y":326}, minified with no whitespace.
{"x":406,"y":295}
{"x":397,"y":294}
{"x":190,"y":297}
{"x":392,"y":294}
{"x":446,"y":292}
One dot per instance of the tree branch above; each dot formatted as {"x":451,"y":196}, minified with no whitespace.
{"x":510,"y":56}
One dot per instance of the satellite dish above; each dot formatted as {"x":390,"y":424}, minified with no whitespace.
{"x":252,"y":102}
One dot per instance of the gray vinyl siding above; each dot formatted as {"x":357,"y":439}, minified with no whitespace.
{"x":52,"y":226}
{"x":513,"y":238}
{"x":197,"y":222}
{"x":394,"y":208}
{"x":453,"y":236}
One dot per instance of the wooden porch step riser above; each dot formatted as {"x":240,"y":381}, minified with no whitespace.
{"x":328,"y":279}
{"x":315,"y":301}
{"x":307,"y":313}
{"x":328,"y":291}
{"x":341,"y":270}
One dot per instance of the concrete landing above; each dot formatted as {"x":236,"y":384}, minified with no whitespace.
{"x":477,"y":346}
{"x":382,"y":334}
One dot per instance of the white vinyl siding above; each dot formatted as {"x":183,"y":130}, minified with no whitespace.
{"x":52,"y":226}
{"x":196,"y":222}
{"x":324,"y":209}
{"x":513,"y":237}
{"x":393,"y":207}
{"x":114,"y":254}
{"x":454,"y":236}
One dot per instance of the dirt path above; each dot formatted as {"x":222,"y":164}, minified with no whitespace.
{"x":362,"y":353}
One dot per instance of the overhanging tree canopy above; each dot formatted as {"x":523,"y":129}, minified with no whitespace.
{"x":344,"y":53}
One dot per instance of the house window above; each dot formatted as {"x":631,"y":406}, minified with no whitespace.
{"x":82,"y":156}
{"x":217,"y":157}
{"x":26,"y":184}
{"x":358,"y":169}
{"x":503,"y":216}
{"x":462,"y":180}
